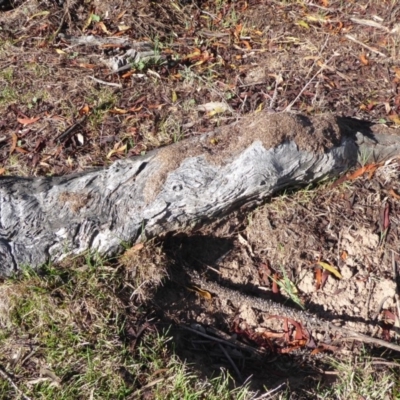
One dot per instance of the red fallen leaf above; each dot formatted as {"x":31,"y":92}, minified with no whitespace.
{"x":27,"y":121}
{"x":275,"y":286}
{"x":324,"y":347}
{"x":318,"y":278}
{"x":21,"y":150}
{"x":325,"y":276}
{"x":300,"y":332}
{"x":128,"y":74}
{"x":272,"y":335}
{"x":286,"y":329}
{"x":290,"y":349}
{"x":339,"y":181}
{"x":135,"y":109}
{"x":389,"y":316}
{"x":361,"y":171}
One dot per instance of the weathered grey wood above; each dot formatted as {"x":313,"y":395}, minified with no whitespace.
{"x":48,"y":219}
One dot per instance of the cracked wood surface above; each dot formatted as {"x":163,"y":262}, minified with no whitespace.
{"x":177,"y":187}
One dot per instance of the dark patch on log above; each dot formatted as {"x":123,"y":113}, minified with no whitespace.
{"x":177,"y":187}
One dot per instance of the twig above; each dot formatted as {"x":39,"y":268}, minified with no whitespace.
{"x":7,"y":377}
{"x":231,"y":342}
{"x":368,"y":339}
{"x":69,"y":131}
{"x":352,"y":38}
{"x":396,"y":280}
{"x":386,"y":363}
{"x":231,"y":362}
{"x":368,"y":22}
{"x":270,"y":392}
{"x":118,"y":85}
{"x":288,"y":108}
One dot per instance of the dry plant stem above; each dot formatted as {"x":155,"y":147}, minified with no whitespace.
{"x":289,"y":107}
{"x":118,"y":85}
{"x":352,"y":38}
{"x":272,"y":308}
{"x":368,"y":22}
{"x":7,"y":377}
{"x":270,"y":392}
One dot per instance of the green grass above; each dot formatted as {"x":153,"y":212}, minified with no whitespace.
{"x":69,"y":324}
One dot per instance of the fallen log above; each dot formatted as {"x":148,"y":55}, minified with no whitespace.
{"x":177,"y":187}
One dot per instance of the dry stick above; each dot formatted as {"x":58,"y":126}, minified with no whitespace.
{"x":352,"y":38}
{"x":231,"y":362}
{"x":7,"y":377}
{"x":270,"y":392}
{"x":118,"y":85}
{"x":288,"y":108}
{"x":230,"y":342}
{"x":273,"y":308}
{"x":368,"y":22}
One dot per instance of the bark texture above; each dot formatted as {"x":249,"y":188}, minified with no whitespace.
{"x":182,"y":185}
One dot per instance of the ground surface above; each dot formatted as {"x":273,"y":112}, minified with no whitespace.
{"x":63,"y":109}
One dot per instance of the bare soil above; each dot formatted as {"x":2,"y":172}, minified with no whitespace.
{"x":316,"y":58}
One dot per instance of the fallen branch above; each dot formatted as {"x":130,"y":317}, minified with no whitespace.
{"x":310,"y":321}
{"x":177,"y":187}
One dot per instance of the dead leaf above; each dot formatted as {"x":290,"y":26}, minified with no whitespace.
{"x":386,"y":220}
{"x":104,"y":28}
{"x":88,"y":66}
{"x":27,"y":121}
{"x":2,"y":171}
{"x":21,"y":150}
{"x":201,"y":292}
{"x":394,"y":194}
{"x":357,"y":173}
{"x":84,"y":110}
{"x":275,"y":286}
{"x":117,"y":110}
{"x":137,"y":247}
{"x":238,"y":31}
{"x":117,"y":149}
{"x":330,"y":268}
{"x":394,"y":118}
{"x":13,"y":142}
{"x":303,"y":24}
{"x":318,"y":278}
{"x":324,"y":347}
{"x":363,"y":58}
{"x":371,"y":168}
{"x":213,"y":107}
{"x":245,"y":243}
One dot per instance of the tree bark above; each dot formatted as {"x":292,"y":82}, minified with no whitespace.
{"x":177,"y":187}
